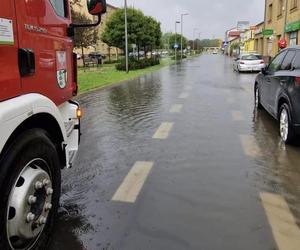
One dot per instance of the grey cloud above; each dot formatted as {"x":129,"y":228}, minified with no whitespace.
{"x":211,"y":18}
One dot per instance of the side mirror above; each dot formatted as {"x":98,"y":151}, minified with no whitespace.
{"x":264,"y":71}
{"x":96,"y":7}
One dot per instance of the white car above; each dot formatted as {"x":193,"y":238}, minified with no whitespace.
{"x":249,"y":62}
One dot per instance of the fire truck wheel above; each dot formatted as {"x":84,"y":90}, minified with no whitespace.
{"x":30,"y":189}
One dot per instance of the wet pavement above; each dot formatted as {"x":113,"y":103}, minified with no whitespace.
{"x":178,"y":159}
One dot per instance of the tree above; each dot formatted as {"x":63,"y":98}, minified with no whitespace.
{"x":143,"y":31}
{"x":165,"y":40}
{"x":177,"y":38}
{"x":84,"y":37}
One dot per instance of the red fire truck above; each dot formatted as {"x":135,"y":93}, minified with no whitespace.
{"x":39,"y":123}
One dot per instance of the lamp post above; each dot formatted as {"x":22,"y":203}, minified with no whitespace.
{"x":182,"y":15}
{"x":126,"y":37}
{"x":176,"y":45}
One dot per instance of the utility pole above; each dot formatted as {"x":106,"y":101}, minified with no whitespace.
{"x":176,"y":45}
{"x":182,"y":15}
{"x":194,"y":39}
{"x":126,"y":37}
{"x":285,"y":18}
{"x":198,"y":46}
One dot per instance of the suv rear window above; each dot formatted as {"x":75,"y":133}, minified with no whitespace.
{"x":296,"y":62}
{"x":287,"y":62}
{"x":252,"y":57}
{"x":60,"y":7}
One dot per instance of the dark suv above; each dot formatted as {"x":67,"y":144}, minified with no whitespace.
{"x":277,"y":89}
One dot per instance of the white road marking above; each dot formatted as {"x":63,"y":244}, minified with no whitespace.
{"x":250,"y":146}
{"x":184,"y":95}
{"x":237,"y":116}
{"x":176,"y":108}
{"x":163,"y":131}
{"x":133,"y":182}
{"x":284,"y":227}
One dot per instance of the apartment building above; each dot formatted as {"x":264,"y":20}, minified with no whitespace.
{"x":259,"y":38}
{"x":101,"y":47}
{"x":282,"y":21}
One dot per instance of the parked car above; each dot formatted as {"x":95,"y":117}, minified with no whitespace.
{"x":277,"y":90}
{"x":249,"y":62}
{"x":96,"y":56}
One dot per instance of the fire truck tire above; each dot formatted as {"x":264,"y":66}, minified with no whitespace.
{"x":30,"y":182}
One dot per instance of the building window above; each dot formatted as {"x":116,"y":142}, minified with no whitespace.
{"x":294,"y":4}
{"x":270,"y":16}
{"x":293,"y":38}
{"x":280,"y":8}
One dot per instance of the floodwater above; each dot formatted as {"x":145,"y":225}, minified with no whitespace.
{"x":219,"y":172}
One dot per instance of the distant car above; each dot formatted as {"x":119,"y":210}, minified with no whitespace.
{"x":277,"y":89}
{"x":249,"y":62}
{"x":96,"y":56}
{"x":215,"y":52}
{"x":135,"y":54}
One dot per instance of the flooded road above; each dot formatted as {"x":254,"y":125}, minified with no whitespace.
{"x":178,"y":159}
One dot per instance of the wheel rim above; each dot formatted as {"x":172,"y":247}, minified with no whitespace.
{"x":256,"y":97}
{"x":284,"y":124}
{"x":29,"y":205}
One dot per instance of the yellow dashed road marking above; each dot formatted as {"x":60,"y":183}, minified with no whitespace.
{"x":133,"y":182}
{"x":184,"y":95}
{"x":284,"y":227}
{"x":163,"y":131}
{"x":230,"y":100}
{"x":176,"y":108}
{"x":237,"y":116}
{"x":250,"y":146}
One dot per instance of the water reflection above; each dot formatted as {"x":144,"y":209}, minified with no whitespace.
{"x":71,"y":225}
{"x":279,"y":169}
{"x":135,"y":105}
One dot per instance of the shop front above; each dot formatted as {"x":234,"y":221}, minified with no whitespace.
{"x":293,"y":33}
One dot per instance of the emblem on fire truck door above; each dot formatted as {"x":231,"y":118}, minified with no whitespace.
{"x":61,"y":69}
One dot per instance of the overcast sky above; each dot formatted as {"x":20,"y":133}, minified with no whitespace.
{"x":212,"y":18}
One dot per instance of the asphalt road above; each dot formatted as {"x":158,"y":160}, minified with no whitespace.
{"x":178,"y":159}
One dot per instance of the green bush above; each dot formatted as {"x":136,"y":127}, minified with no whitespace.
{"x":135,"y":64}
{"x":112,"y":61}
{"x":179,"y":57}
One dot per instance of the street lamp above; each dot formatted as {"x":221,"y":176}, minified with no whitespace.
{"x":176,"y":45}
{"x":182,"y":15}
{"x":126,"y":37}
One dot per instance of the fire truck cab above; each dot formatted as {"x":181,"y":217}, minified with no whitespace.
{"x":39,"y":122}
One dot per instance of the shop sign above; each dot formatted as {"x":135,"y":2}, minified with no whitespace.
{"x":294,"y":26}
{"x":234,"y":34}
{"x":268,"y":32}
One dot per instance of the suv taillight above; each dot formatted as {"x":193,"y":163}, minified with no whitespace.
{"x":242,"y":63}
{"x":297,"y":80}
{"x":262,"y":62}
{"x":74,"y":82}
